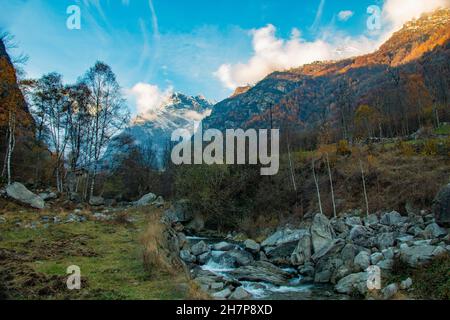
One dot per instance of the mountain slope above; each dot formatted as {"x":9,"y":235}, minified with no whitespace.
{"x":152,"y":131}
{"x":416,"y":57}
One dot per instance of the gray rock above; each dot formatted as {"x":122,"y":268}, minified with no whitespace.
{"x":204,"y":257}
{"x":240,"y":294}
{"x":159,"y":202}
{"x":283,"y":236}
{"x":252,"y":246}
{"x":371,"y":220}
{"x":376,"y":257}
{"x":353,"y":282}
{"x":199,"y":248}
{"x":20,"y":193}
{"x":241,"y":257}
{"x":362,"y":261}
{"x":46,"y":196}
{"x":217,"y":286}
{"x":146,"y":200}
{"x":330,"y":249}
{"x":385,"y":240}
{"x":353,"y":221}
{"x":186,"y":256}
{"x":390,"y":291}
{"x":223,"y":246}
{"x":323,"y":276}
{"x":417,"y":255}
{"x":261,"y":271}
{"x":307,"y":270}
{"x":386,"y":264}
{"x":340,"y":273}
{"x":406,"y":284}
{"x":178,"y":212}
{"x":441,"y":206}
{"x":322,"y":234}
{"x":197,"y":223}
{"x":224,"y":294}
{"x":434,"y":231}
{"x":302,"y":252}
{"x":349,"y":253}
{"x":339,"y":225}
{"x":439,"y":251}
{"x":391,"y":218}
{"x":96,"y":201}
{"x":388,"y":253}
{"x":361,"y":236}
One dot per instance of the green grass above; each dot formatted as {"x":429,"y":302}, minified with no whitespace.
{"x":443,"y":129}
{"x":109,"y":256}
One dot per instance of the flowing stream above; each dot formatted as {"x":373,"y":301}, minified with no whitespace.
{"x":293,"y":290}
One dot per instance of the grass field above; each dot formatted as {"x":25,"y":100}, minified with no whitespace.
{"x":34,"y":257}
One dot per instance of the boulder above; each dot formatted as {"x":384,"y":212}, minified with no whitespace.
{"x":46,"y":196}
{"x":261,"y":271}
{"x":223,"y":246}
{"x":385,"y":240}
{"x":371,"y":220}
{"x":225,"y":293}
{"x":433,"y":230}
{"x":353,"y":221}
{"x":240,"y":294}
{"x":376,"y":257}
{"x":417,"y":255}
{"x":197,"y":224}
{"x":323,"y":276}
{"x":322,"y":234}
{"x":406,"y":284}
{"x":146,"y":200}
{"x":159,"y":202}
{"x":441,"y":206}
{"x":362,"y":261}
{"x":339,"y":225}
{"x":391,"y":218}
{"x":204,"y":257}
{"x":386,"y":264}
{"x":178,"y":212}
{"x":353,"y":282}
{"x":390,"y":291}
{"x":307,"y":270}
{"x":199,"y":248}
{"x":186,"y":256}
{"x":242,"y":258}
{"x":252,"y":246}
{"x":96,"y":201}
{"x":361,"y":236}
{"x":349,"y":253}
{"x":330,"y":249}
{"x":302,"y":253}
{"x":20,"y":193}
{"x":283,"y":236}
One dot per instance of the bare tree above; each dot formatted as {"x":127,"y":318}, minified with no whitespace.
{"x":331,"y":185}
{"x":107,"y":109}
{"x":364,"y":186}
{"x":317,"y":185}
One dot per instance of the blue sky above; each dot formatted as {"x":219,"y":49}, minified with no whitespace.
{"x":196,"y":47}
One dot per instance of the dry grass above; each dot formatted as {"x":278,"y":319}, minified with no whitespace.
{"x":196,"y":293}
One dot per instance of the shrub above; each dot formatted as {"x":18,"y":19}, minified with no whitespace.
{"x":430,"y":147}
{"x":405,"y":149}
{"x":343,"y":148}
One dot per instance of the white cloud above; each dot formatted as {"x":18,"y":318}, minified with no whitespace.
{"x":149,"y":99}
{"x":345,"y":15}
{"x":197,"y":116}
{"x":272,"y":53}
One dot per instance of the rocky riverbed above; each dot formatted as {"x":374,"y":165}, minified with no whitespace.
{"x":321,"y":259}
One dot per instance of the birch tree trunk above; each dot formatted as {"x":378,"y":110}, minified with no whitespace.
{"x":364,"y":187}
{"x":331,"y":185}
{"x":317,"y":187}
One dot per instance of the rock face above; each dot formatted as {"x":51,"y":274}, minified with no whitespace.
{"x":302,"y":252}
{"x":20,"y":193}
{"x":322,"y":233}
{"x":441,"y":207}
